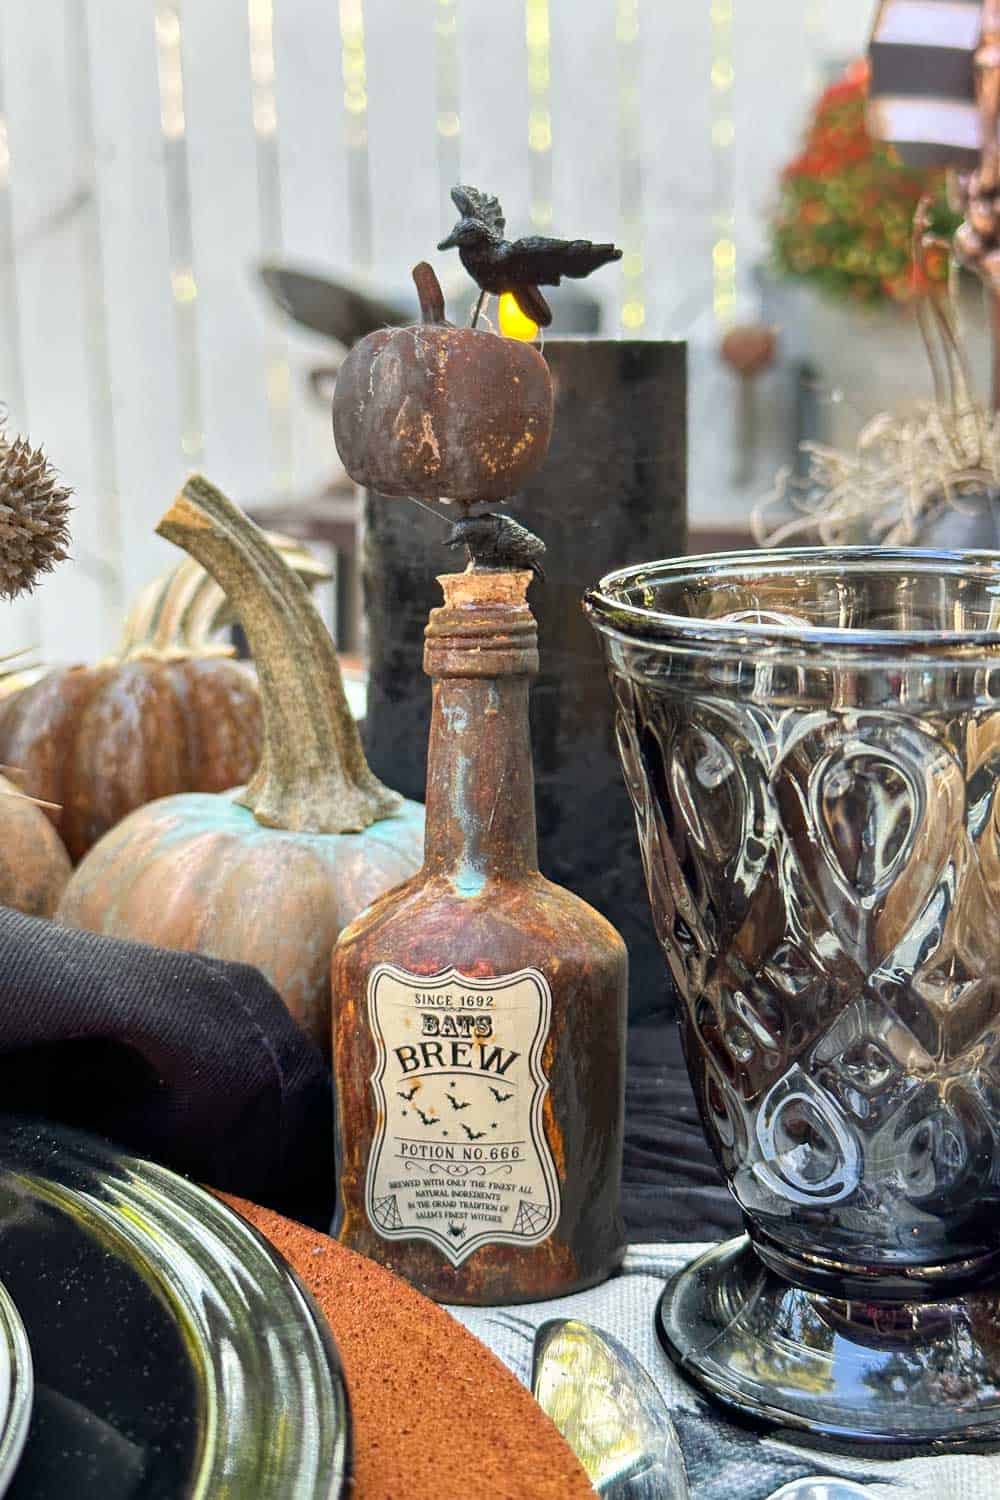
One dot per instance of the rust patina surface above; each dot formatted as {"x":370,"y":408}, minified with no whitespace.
{"x":480,"y":906}
{"x":435,"y":410}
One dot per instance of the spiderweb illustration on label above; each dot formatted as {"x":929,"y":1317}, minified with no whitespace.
{"x":530,"y":1217}
{"x":386,"y":1211}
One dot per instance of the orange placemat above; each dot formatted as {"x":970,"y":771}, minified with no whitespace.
{"x":436,"y":1415}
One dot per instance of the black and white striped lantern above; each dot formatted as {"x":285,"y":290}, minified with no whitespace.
{"x":922,"y":88}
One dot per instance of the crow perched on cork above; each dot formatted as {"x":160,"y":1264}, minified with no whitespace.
{"x":495,"y":541}
{"x":520,"y":266}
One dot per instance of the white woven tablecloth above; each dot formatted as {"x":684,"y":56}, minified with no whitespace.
{"x":724,"y":1462}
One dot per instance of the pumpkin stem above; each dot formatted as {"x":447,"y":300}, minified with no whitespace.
{"x":312,"y":776}
{"x":429,"y":293}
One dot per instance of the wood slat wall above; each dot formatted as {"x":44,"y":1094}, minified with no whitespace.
{"x":153,"y":151}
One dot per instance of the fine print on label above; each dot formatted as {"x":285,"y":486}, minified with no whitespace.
{"x":459,"y":1156}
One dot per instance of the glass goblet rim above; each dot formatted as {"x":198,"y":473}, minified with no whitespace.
{"x":615,"y":612}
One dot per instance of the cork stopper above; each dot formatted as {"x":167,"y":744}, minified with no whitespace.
{"x":484,"y":628}
{"x":477,"y":587}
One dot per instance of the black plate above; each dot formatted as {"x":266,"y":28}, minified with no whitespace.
{"x":175,"y":1353}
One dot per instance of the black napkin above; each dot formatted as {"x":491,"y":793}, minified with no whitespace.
{"x":188,"y":1060}
{"x":197,"y":1064}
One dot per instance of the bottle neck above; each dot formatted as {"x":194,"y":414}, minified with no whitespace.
{"x":481,"y":652}
{"x":480,"y":783}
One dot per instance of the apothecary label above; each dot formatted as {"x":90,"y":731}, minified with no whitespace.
{"x":459,"y":1156}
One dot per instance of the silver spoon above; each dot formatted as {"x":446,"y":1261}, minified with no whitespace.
{"x":609,"y":1411}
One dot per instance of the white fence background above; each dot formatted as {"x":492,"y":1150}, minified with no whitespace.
{"x":152,"y":152}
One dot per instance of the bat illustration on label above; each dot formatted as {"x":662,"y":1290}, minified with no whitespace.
{"x":474,"y":1135}
{"x":456,"y":1230}
{"x":456,"y":1103}
{"x":427,"y":1119}
{"x":408,"y":1096}
{"x":498,"y":1096}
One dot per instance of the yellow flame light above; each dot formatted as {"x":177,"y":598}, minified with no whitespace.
{"x":632,"y":309}
{"x":513,"y":323}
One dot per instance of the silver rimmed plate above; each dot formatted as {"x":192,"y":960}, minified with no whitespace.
{"x":174,"y":1352}
{"x":16,"y":1388}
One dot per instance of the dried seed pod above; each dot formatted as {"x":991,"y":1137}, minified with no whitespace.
{"x":34,"y":517}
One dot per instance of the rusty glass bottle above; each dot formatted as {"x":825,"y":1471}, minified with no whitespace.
{"x":480,"y":1011}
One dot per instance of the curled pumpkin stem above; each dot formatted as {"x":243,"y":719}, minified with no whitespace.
{"x":312,"y":776}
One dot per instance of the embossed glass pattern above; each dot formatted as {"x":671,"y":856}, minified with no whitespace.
{"x":811,"y":741}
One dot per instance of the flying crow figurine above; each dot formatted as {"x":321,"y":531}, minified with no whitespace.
{"x":519,"y":267}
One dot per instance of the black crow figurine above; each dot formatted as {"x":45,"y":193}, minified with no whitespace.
{"x":522,"y":266}
{"x":498,"y":542}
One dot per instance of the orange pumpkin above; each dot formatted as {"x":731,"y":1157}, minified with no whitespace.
{"x":270,"y":873}
{"x":435,"y":410}
{"x":169,"y":713}
{"x":34,"y":866}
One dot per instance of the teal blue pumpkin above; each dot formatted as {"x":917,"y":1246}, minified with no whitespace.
{"x":266,"y":874}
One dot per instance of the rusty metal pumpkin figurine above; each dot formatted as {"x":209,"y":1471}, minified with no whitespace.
{"x":479,"y":1010}
{"x":436,"y":411}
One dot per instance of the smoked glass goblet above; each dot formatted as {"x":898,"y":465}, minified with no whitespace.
{"x":811,"y":741}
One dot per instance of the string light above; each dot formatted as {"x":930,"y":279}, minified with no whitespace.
{"x":354,"y":70}
{"x":260,"y":17}
{"x":23,"y":616}
{"x":105,"y":564}
{"x":723,"y":75}
{"x":14,"y":396}
{"x":171,"y":72}
{"x":184,"y":287}
{"x":8,"y":286}
{"x":537,"y":36}
{"x":814,"y":18}
{"x":633,"y":306}
{"x":277,"y":375}
{"x":448,"y":123}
